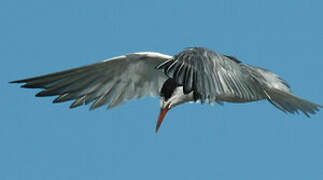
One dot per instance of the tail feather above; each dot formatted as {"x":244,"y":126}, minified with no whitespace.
{"x":288,"y":102}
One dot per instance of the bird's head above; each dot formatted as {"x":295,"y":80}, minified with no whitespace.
{"x":170,"y":97}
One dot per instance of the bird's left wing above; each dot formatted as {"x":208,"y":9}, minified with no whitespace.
{"x":112,"y":81}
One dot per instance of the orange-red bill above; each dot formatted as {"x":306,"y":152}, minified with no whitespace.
{"x":161,"y":117}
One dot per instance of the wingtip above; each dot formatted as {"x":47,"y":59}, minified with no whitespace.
{"x":16,"y":81}
{"x":27,"y":86}
{"x":40,"y":94}
{"x":19,"y":81}
{"x":73,"y":106}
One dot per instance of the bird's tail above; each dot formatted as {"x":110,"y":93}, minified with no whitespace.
{"x":288,"y":102}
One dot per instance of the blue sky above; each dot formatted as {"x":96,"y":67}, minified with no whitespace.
{"x":45,"y":141}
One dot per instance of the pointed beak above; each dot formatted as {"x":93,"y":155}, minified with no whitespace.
{"x":161,"y":117}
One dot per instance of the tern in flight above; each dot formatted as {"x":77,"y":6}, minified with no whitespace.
{"x":195,"y":74}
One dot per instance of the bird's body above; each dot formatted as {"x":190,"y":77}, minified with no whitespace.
{"x":195,"y":74}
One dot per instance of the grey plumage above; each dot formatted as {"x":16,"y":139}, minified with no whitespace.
{"x":210,"y":76}
{"x":216,"y":77}
{"x":113,"y":81}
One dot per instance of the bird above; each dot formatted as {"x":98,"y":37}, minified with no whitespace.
{"x":196,"y":74}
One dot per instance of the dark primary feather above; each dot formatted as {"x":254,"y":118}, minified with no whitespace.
{"x":109,"y":82}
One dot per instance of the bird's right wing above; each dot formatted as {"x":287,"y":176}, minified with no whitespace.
{"x":216,"y":77}
{"x":112,"y":81}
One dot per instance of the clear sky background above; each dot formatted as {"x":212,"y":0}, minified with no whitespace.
{"x":45,"y":141}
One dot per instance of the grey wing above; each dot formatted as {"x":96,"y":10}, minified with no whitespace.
{"x":212,"y":76}
{"x":112,"y":81}
{"x":216,"y":77}
{"x":278,"y":93}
